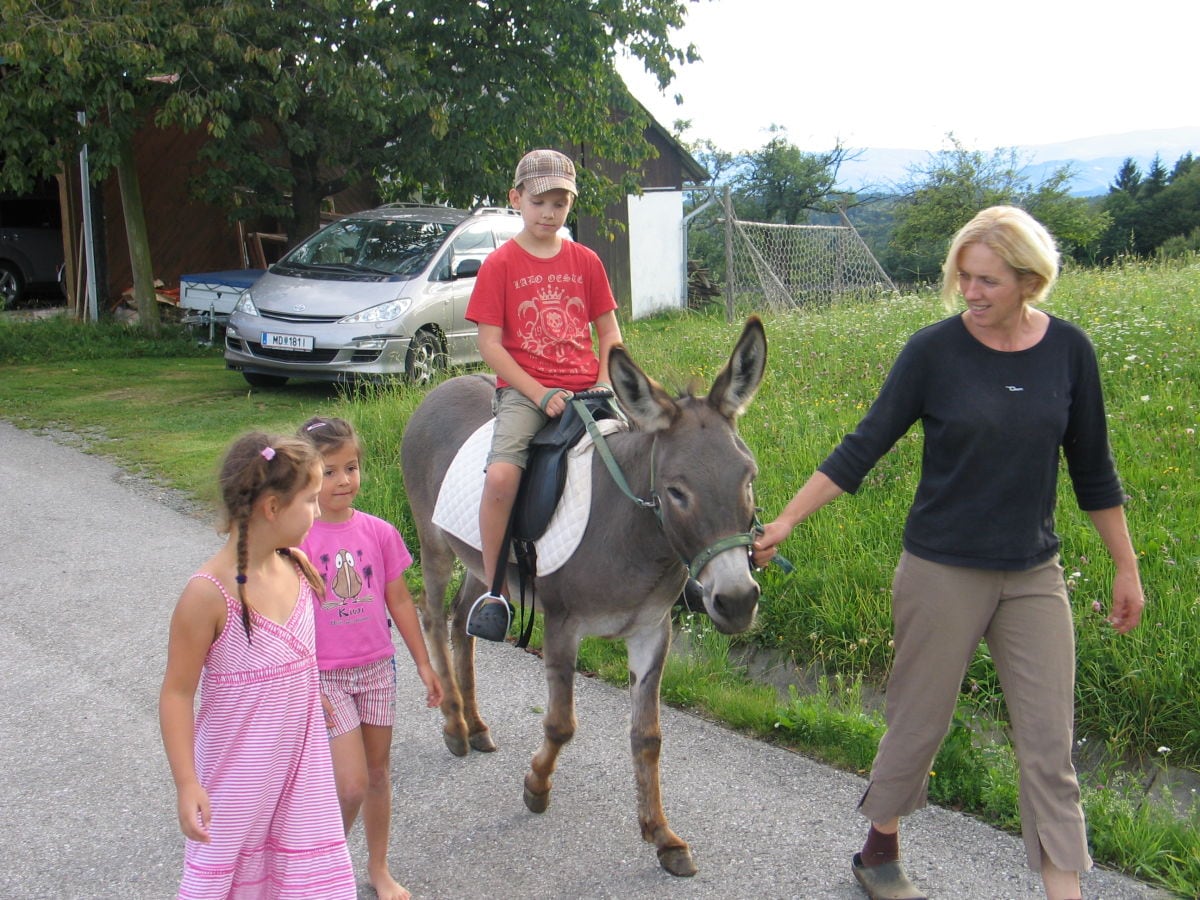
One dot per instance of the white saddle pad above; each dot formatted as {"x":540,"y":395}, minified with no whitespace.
{"x":457,"y":507}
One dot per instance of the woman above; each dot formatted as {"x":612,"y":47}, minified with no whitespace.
{"x":1000,"y":390}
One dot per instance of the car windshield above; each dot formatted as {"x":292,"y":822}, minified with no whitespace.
{"x":370,"y":246}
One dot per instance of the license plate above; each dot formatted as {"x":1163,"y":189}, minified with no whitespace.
{"x":298,"y":342}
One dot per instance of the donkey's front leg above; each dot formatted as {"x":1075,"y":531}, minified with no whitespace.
{"x":559,"y":653}
{"x":647,"y":655}
{"x":478,"y":735}
{"x":437,"y":561}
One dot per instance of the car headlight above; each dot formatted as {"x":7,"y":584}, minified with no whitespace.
{"x":384,"y":312}
{"x":246,"y":305}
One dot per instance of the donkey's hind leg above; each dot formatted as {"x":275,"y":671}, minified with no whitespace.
{"x":559,"y":723}
{"x":647,"y":655}
{"x":479,"y":736}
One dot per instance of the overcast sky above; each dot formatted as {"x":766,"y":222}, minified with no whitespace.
{"x":896,"y":74}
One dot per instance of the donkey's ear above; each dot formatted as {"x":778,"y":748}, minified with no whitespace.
{"x":738,"y":382}
{"x":648,"y":406}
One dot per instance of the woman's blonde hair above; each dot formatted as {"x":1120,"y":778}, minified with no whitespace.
{"x":257,"y":464}
{"x":1017,"y":238}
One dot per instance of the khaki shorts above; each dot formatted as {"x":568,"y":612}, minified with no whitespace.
{"x":518,"y":419}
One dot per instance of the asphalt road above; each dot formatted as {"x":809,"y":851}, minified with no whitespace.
{"x":93,"y":559}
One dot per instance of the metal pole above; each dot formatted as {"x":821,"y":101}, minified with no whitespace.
{"x":728,"y":256}
{"x":89,"y":249}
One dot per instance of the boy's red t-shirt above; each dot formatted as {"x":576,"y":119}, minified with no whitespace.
{"x":544,"y":308}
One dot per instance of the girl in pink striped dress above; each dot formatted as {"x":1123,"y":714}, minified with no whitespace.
{"x":252,"y":770}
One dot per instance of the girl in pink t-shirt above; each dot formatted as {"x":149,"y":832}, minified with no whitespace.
{"x":362,"y":559}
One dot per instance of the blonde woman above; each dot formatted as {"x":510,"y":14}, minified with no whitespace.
{"x":1001,"y":389}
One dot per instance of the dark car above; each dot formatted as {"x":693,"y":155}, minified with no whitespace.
{"x":31,"y":247}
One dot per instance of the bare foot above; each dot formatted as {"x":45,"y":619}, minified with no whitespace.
{"x":387,"y":888}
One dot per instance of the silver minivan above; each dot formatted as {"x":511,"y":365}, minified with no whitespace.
{"x":375,"y":294}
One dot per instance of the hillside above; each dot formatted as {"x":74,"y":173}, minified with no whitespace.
{"x":1095,"y":159}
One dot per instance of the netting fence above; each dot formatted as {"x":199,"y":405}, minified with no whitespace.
{"x":779,"y":267}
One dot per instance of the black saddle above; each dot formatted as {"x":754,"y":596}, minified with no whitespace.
{"x":546,"y":469}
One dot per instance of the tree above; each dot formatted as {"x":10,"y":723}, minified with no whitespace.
{"x":76,"y":74}
{"x":1156,"y":177}
{"x":778,"y":183}
{"x":717,"y":162}
{"x":781,"y":183}
{"x":1183,"y":167}
{"x":956,"y":183}
{"x":434,"y":98}
{"x":1149,"y":212}
{"x":1129,"y":178}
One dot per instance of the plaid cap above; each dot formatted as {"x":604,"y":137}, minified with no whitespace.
{"x":544,"y":170}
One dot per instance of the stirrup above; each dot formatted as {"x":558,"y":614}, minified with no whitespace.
{"x":489,"y":617}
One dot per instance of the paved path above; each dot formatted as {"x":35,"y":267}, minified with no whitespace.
{"x":92,"y":562}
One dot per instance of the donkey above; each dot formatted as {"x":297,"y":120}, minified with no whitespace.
{"x":689,"y":520}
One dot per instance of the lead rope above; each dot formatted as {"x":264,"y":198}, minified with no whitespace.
{"x":745,"y":539}
{"x":610,"y":463}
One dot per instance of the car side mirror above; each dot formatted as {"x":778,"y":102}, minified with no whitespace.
{"x":468,"y":268}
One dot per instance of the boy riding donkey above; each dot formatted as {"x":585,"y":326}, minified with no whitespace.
{"x":536,"y":300}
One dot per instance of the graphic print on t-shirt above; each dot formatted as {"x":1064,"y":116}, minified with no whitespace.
{"x":547,"y":323}
{"x":347,"y":584}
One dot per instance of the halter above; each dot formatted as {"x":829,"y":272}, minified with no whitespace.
{"x":697,"y":563}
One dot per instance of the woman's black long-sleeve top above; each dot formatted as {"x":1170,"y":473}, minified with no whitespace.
{"x":994,"y":424}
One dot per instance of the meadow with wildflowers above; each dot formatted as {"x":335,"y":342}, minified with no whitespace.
{"x":824,"y":368}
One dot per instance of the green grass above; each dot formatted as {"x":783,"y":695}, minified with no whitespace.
{"x":168,"y":408}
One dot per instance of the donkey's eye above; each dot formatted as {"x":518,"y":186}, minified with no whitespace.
{"x":677,"y":496}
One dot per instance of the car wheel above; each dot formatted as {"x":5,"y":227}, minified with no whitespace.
{"x":425,"y":357}
{"x":257,"y":379}
{"x":12,"y":286}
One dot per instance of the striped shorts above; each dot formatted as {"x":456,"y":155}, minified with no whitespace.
{"x":361,"y":695}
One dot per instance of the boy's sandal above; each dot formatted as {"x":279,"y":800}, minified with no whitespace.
{"x":886,"y":881}
{"x":489,"y":618}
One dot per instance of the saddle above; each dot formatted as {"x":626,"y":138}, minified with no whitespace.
{"x":546,"y":469}
{"x":541,"y":488}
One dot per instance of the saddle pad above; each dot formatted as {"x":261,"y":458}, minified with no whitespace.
{"x":457,"y":507}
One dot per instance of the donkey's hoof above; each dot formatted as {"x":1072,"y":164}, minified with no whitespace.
{"x":482,"y":741}
{"x":537,"y":803}
{"x":455,"y":743}
{"x":677,"y":861}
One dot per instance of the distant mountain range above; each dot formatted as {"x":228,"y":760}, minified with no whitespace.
{"x":1095,"y":160}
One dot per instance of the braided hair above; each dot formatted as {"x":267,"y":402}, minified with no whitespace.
{"x":257,"y":464}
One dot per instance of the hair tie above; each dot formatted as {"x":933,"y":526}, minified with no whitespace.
{"x":268,"y":453}
{"x":241,"y":579}
{"x":315,"y":425}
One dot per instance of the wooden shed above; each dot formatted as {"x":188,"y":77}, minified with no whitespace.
{"x":188,"y":236}
{"x":673,"y":168}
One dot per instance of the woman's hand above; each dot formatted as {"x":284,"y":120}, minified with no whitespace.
{"x":1128,"y":602}
{"x":764,"y":548}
